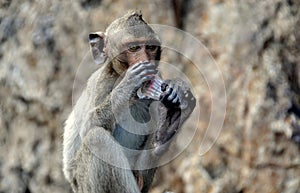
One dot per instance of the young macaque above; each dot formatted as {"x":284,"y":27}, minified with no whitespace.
{"x":113,"y":115}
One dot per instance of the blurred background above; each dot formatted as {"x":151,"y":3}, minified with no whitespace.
{"x":255,"y":43}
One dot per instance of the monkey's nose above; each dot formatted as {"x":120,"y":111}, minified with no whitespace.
{"x":140,"y":58}
{"x":144,"y":56}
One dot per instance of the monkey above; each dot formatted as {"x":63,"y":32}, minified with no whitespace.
{"x":109,"y":119}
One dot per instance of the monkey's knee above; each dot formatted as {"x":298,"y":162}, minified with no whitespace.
{"x":103,"y":146}
{"x":95,"y":171}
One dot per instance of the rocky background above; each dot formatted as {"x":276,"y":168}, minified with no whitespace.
{"x":255,"y":43}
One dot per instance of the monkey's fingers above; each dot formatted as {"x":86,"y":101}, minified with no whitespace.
{"x":138,"y":68}
{"x":136,"y":74}
{"x":169,"y":103}
{"x":177,"y":98}
{"x":173,"y":94}
{"x":148,"y":72}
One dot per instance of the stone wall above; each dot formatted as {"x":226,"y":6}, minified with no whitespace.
{"x":255,"y":43}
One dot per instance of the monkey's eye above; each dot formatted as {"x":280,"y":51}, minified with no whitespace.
{"x":151,"y":47}
{"x":134,"y":47}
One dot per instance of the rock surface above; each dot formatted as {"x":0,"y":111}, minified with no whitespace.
{"x":256,"y":45}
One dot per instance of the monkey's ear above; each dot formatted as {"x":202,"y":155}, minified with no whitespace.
{"x":97,"y":43}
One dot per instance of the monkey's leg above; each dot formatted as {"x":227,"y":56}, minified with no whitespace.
{"x":94,"y":175}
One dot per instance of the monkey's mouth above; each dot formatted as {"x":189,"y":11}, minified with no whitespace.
{"x":151,"y":89}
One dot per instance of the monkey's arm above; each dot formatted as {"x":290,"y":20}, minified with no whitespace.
{"x":115,"y":102}
{"x":179,"y":103}
{"x":101,"y":116}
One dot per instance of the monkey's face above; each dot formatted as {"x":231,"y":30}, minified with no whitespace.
{"x":134,"y":50}
{"x":141,"y":50}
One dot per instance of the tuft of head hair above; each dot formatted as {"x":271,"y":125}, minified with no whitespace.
{"x":135,"y":18}
{"x":129,"y":20}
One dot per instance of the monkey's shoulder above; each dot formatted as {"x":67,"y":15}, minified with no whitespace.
{"x":100,"y":84}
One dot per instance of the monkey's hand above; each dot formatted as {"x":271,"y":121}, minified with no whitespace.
{"x":134,"y":77}
{"x":177,"y":95}
{"x":179,"y":103}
